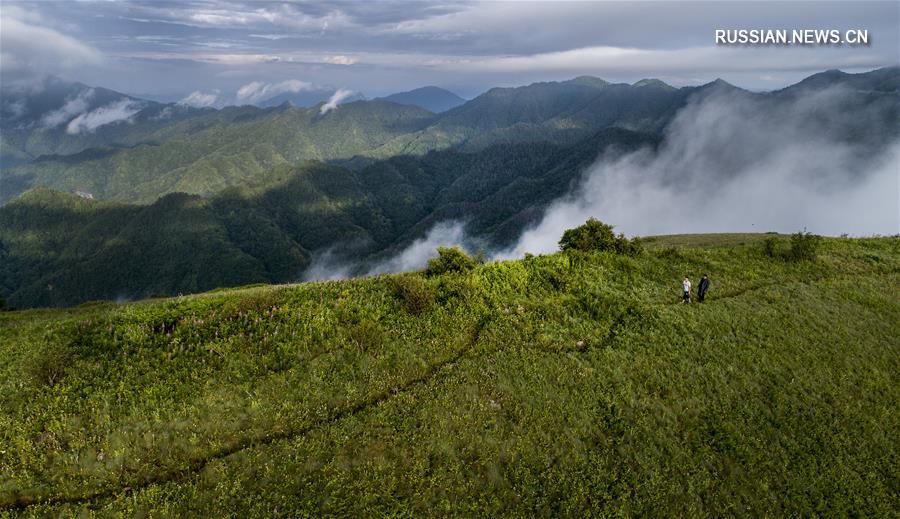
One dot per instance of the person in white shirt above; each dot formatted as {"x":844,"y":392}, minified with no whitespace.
{"x":686,"y":285}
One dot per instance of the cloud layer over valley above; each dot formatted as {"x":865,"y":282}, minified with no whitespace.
{"x":731,"y":161}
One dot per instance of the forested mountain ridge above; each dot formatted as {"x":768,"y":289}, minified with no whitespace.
{"x":60,"y":118}
{"x":216,"y":149}
{"x":253,"y":195}
{"x":167,"y":148}
{"x":431,"y":98}
{"x":60,"y":249}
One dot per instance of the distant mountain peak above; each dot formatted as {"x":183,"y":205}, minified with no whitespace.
{"x":431,"y":98}
{"x":652,"y":82}
{"x":590,"y":81}
{"x":885,"y":79}
{"x":719,"y":84}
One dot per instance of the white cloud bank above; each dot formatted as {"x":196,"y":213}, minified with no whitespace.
{"x":731,"y":163}
{"x":335,"y":99}
{"x":29,"y":49}
{"x":417,"y":254}
{"x":257,"y":91}
{"x":118,"y":111}
{"x":72,"y":107}
{"x":328,"y":265}
{"x":199,"y":99}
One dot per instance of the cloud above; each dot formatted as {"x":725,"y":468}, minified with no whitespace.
{"x":340,"y":59}
{"x":328,"y":264}
{"x":72,"y":107}
{"x":29,"y":50}
{"x":701,"y":60}
{"x":258,"y":91}
{"x":335,"y":99}
{"x":14,"y":109}
{"x":199,"y":99}
{"x":731,"y":161}
{"x":117,"y":111}
{"x":469,"y":46}
{"x":416,"y":255}
{"x":734,"y":162}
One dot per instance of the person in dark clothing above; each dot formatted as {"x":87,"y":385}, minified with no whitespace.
{"x":701,"y":290}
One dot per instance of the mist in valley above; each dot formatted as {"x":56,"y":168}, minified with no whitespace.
{"x":731,"y":161}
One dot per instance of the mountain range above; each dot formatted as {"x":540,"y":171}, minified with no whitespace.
{"x":431,"y":98}
{"x":174,"y":199}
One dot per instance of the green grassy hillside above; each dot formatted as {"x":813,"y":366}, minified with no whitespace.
{"x":555,"y":385}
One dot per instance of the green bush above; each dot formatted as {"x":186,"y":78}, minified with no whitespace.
{"x":50,"y":365}
{"x":457,"y":289}
{"x":595,"y":235}
{"x":770,"y":247}
{"x":414,"y":293}
{"x":804,"y":246}
{"x":450,"y":260}
{"x":366,"y":335}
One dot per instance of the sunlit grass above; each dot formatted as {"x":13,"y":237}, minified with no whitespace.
{"x":537,"y":387}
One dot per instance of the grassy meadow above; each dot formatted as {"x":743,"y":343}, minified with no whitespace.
{"x":560,"y":385}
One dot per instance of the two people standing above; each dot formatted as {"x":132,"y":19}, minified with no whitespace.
{"x":701,"y":290}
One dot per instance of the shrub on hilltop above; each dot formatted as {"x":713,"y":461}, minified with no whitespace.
{"x":450,"y":260}
{"x":595,"y":235}
{"x":804,"y":246}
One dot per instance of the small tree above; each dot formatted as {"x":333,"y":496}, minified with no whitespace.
{"x":804,"y":246}
{"x":595,"y":235}
{"x":770,"y":247}
{"x":450,"y":259}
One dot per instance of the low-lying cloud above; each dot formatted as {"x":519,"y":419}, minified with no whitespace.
{"x":416,"y":255}
{"x":118,"y":111}
{"x":335,"y":99}
{"x":199,"y":99}
{"x":326,"y":265}
{"x":71,"y":108}
{"x":738,"y":163}
{"x":329,"y":264}
{"x":731,"y":161}
{"x":258,"y":91}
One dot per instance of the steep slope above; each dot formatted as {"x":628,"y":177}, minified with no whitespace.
{"x":431,"y":98}
{"x":206,"y":151}
{"x":205,"y":154}
{"x":553,"y":385}
{"x":57,"y":117}
{"x":60,"y":249}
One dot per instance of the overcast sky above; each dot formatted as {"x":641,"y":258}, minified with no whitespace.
{"x":169,"y":50}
